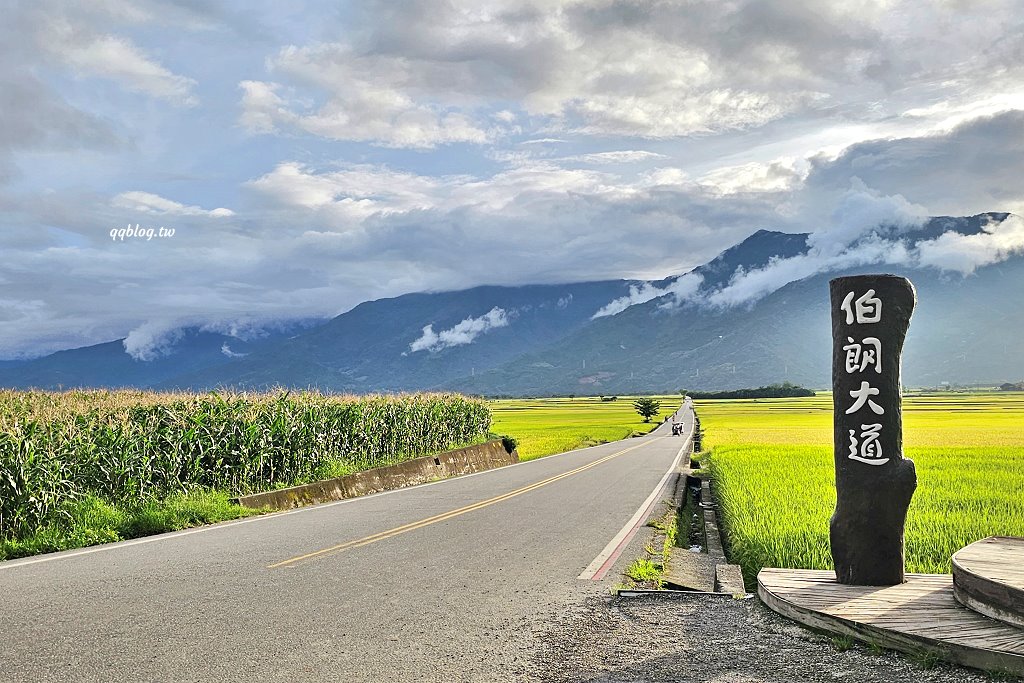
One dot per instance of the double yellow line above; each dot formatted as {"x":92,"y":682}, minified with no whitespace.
{"x":412,"y":526}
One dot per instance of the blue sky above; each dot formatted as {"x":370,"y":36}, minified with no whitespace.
{"x":311,"y":155}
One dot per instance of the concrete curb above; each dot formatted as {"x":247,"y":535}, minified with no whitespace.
{"x":468,"y":460}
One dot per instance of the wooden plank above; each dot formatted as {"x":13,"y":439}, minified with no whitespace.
{"x":988,"y":577}
{"x":918,"y":616}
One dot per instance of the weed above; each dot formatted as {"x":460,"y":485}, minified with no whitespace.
{"x":842,"y":643}
{"x":644,"y":570}
{"x":926,"y":659}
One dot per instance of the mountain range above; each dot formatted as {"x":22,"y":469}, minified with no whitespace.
{"x":756,"y":314}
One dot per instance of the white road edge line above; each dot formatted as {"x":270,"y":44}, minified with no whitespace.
{"x":169,"y":536}
{"x":597,"y":569}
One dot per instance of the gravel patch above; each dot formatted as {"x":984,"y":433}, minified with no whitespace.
{"x":710,"y":639}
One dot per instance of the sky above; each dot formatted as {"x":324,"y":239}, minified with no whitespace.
{"x":303,"y":157}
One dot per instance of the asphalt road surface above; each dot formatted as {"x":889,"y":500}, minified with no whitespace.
{"x":452,"y":581}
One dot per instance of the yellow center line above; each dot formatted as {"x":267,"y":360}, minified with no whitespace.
{"x":412,"y":526}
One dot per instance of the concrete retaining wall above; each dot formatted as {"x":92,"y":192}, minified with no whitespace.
{"x":466,"y":460}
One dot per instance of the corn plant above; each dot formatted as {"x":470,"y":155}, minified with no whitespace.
{"x":133,"y":446}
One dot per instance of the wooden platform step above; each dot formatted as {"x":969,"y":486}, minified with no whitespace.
{"x":988,"y":577}
{"x":919,"y":616}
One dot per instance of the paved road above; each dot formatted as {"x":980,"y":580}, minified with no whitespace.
{"x":456,"y":580}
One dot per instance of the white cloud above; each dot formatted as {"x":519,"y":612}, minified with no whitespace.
{"x":765,"y":111}
{"x":679,"y":290}
{"x":226,"y":350}
{"x":153,"y":339}
{"x":543,"y":141}
{"x":862,"y":211}
{"x":116,"y":58}
{"x":627,"y":156}
{"x":262,"y":108}
{"x":778,"y":176}
{"x":864,"y":229}
{"x":148,"y":202}
{"x":430,"y":72}
{"x":966,"y":253}
{"x":362,"y":105}
{"x":461,"y":334}
{"x":424,"y":74}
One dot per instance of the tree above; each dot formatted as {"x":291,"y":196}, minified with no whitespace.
{"x":647,"y":407}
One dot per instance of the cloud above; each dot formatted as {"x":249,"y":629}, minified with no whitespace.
{"x":226,"y":350}
{"x":413,"y":146}
{"x":543,"y":141}
{"x":118,"y":59}
{"x":966,"y":253}
{"x":430,"y":72}
{"x":461,"y":334}
{"x":968,"y":169}
{"x":423,"y":73}
{"x":356,"y":191}
{"x":680,"y":289}
{"x":861,"y":231}
{"x":620,"y":157}
{"x":147,"y":202}
{"x":36,"y":117}
{"x":776,"y":176}
{"x":153,"y":339}
{"x":360,"y":108}
{"x":158,"y":338}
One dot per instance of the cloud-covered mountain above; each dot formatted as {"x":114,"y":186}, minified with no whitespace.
{"x":341,"y":152}
{"x":758,"y":313}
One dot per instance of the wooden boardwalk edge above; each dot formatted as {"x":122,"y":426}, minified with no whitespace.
{"x":988,"y":577}
{"x":986,"y":659}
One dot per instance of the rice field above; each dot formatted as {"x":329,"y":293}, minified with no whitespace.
{"x":553,"y":425}
{"x":771,"y":461}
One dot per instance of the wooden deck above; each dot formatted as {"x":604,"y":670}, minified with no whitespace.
{"x":988,"y":577}
{"x":919,"y":616}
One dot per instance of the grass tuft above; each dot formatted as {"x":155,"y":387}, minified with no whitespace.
{"x":643,"y":570}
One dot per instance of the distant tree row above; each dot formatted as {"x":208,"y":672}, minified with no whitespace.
{"x":1012,"y":386}
{"x":784,"y":390}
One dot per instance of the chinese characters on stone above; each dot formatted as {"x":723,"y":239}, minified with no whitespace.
{"x":863,"y":355}
{"x":866,"y":309}
{"x":866,"y":354}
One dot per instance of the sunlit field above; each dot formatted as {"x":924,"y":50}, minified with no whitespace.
{"x":552,"y":425}
{"x":772,"y":463}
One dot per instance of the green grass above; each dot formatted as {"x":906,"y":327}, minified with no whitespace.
{"x":91,"y":521}
{"x":545,"y":426}
{"x":772,"y":463}
{"x":643,"y":570}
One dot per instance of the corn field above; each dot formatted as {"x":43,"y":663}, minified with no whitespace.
{"x":134,"y":446}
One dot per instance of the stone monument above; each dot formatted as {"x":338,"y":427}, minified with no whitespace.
{"x":874,"y":482}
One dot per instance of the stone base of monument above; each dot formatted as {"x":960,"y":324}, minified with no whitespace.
{"x":921,"y":616}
